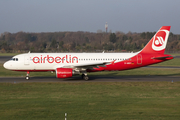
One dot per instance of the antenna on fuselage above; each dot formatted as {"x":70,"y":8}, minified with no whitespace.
{"x":29,"y":52}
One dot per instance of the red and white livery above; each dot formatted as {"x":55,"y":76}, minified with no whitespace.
{"x":68,"y":64}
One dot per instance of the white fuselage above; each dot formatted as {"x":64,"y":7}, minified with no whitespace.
{"x":51,"y":61}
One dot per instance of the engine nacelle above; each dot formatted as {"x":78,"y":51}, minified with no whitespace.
{"x":64,"y":72}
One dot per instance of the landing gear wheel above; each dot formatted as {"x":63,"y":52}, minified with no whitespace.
{"x":85,"y":77}
{"x":27,"y":77}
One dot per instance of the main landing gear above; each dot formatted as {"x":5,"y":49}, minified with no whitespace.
{"x":27,"y":75}
{"x":85,"y":77}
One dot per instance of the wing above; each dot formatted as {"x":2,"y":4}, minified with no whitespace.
{"x":86,"y":66}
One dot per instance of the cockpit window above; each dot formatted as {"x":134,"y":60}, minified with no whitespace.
{"x":14,"y":59}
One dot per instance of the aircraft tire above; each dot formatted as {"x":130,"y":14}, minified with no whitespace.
{"x":27,"y":77}
{"x":86,"y":77}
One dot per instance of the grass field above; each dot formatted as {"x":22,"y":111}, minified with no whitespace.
{"x":174,"y":62}
{"x":90,"y":101}
{"x":93,"y":101}
{"x":8,"y":54}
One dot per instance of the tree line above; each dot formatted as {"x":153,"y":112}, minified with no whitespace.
{"x":80,"y":42}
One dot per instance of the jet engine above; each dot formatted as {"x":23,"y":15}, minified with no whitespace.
{"x":64,"y":72}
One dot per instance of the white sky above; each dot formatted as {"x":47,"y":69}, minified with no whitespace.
{"x":88,"y":15}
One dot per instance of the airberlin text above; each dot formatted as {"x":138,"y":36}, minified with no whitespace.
{"x":56,"y":59}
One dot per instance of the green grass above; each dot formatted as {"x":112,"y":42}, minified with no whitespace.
{"x":174,"y":54}
{"x":90,"y":101}
{"x":140,"y":72}
{"x":8,"y":54}
{"x":174,"y":62}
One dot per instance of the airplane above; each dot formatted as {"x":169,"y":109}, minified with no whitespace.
{"x":68,"y":64}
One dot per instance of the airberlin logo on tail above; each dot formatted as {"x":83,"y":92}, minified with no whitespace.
{"x":160,"y":40}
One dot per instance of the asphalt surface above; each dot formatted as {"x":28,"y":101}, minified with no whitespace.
{"x":92,"y":78}
{"x":4,"y":58}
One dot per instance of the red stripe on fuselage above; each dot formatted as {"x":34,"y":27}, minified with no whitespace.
{"x":131,"y":63}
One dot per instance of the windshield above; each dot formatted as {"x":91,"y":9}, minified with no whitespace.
{"x":14,"y":59}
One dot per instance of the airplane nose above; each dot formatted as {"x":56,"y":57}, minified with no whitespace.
{"x":6,"y":65}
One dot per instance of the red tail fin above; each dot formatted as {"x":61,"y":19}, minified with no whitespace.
{"x":158,"y":43}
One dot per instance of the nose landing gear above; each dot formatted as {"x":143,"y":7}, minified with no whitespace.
{"x":27,"y":75}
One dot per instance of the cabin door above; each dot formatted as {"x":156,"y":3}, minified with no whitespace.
{"x":139,"y":59}
{"x":26,"y":59}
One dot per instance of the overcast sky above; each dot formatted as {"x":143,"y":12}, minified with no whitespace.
{"x":88,"y":15}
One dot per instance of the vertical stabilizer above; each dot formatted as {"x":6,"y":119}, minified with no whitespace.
{"x":158,"y":43}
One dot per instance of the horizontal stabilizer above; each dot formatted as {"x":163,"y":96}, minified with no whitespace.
{"x":163,"y":58}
